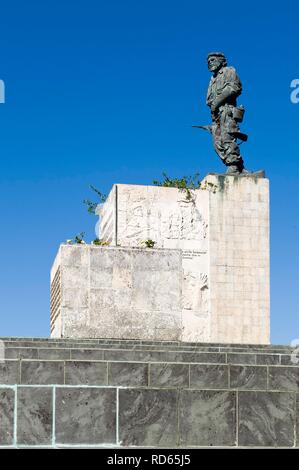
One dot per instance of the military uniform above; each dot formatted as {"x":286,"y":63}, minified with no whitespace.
{"x":224,"y":88}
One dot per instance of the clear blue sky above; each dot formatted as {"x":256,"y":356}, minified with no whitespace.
{"x":106,"y":92}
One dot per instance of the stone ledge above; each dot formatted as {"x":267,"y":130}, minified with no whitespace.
{"x":205,"y":375}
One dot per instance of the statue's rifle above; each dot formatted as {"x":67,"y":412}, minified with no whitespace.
{"x":205,"y":128}
{"x":238,"y":135}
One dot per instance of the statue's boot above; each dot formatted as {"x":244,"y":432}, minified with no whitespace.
{"x":234,"y":170}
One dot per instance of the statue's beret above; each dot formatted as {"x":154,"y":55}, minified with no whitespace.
{"x":216,"y":54}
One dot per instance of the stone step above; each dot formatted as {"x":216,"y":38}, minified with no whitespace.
{"x":154,"y":345}
{"x":150,"y":374}
{"x":110,"y":395}
{"x":138,"y":347}
{"x":153,"y":355}
{"x":67,"y":342}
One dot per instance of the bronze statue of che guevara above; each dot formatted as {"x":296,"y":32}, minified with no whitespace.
{"x":224,"y":88}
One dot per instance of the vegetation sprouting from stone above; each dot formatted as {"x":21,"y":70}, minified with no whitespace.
{"x":99,"y":242}
{"x":91,"y":205}
{"x":148,"y":243}
{"x":186,"y":184}
{"x":78,"y":239}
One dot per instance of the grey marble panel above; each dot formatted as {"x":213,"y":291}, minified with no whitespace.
{"x":169,"y":375}
{"x":284,"y":378}
{"x":20,"y":353}
{"x":128,"y":374}
{"x":266,"y":419}
{"x":248,"y":377}
{"x":288,"y":360}
{"x":268,"y":359}
{"x":42,"y":372}
{"x":207,"y":418}
{"x":241,"y":358}
{"x":9,"y":372}
{"x":208,"y":376}
{"x":7,"y":397}
{"x":87,"y":354}
{"x":86,"y":415}
{"x":297,"y":419}
{"x":51,"y":353}
{"x":35,"y":409}
{"x":85,"y":373}
{"x":148,"y":417}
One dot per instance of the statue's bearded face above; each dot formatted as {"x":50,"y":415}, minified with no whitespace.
{"x":215,"y":63}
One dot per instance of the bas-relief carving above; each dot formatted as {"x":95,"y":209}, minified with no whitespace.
{"x":172,"y":222}
{"x":185,"y":222}
{"x":195,"y":292}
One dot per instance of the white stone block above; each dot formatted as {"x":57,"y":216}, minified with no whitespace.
{"x":206,"y":280}
{"x":117,"y":292}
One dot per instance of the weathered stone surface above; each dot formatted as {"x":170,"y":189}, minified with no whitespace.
{"x":126,"y":293}
{"x":287,"y":360}
{"x":268,"y":359}
{"x":284,"y":378}
{"x":163,"y":356}
{"x":86,"y":373}
{"x":148,"y":417}
{"x":87,"y":354}
{"x":266,"y":419}
{"x":169,"y":375}
{"x":42,"y":372}
{"x":207,"y":418}
{"x":208,"y":376}
{"x":202,"y":357}
{"x":248,"y":377}
{"x":206,"y":279}
{"x":241,"y":358}
{"x":21,"y":353}
{"x":35,"y":410}
{"x":9,"y":372}
{"x":86,"y":415}
{"x":51,"y":353}
{"x":128,"y":374}
{"x":239,"y":263}
{"x":7,"y":397}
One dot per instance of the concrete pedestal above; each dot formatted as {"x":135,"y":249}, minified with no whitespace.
{"x":206,"y":280}
{"x":113,"y":292}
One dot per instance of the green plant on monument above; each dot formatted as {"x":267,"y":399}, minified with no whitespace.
{"x":79,"y":239}
{"x":187,"y":184}
{"x":91,"y":205}
{"x":91,"y":209}
{"x":148,"y":243}
{"x":99,"y":242}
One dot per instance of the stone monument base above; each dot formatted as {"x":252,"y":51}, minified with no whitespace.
{"x":127,"y":394}
{"x":205,"y":280}
{"x":113,"y":292}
